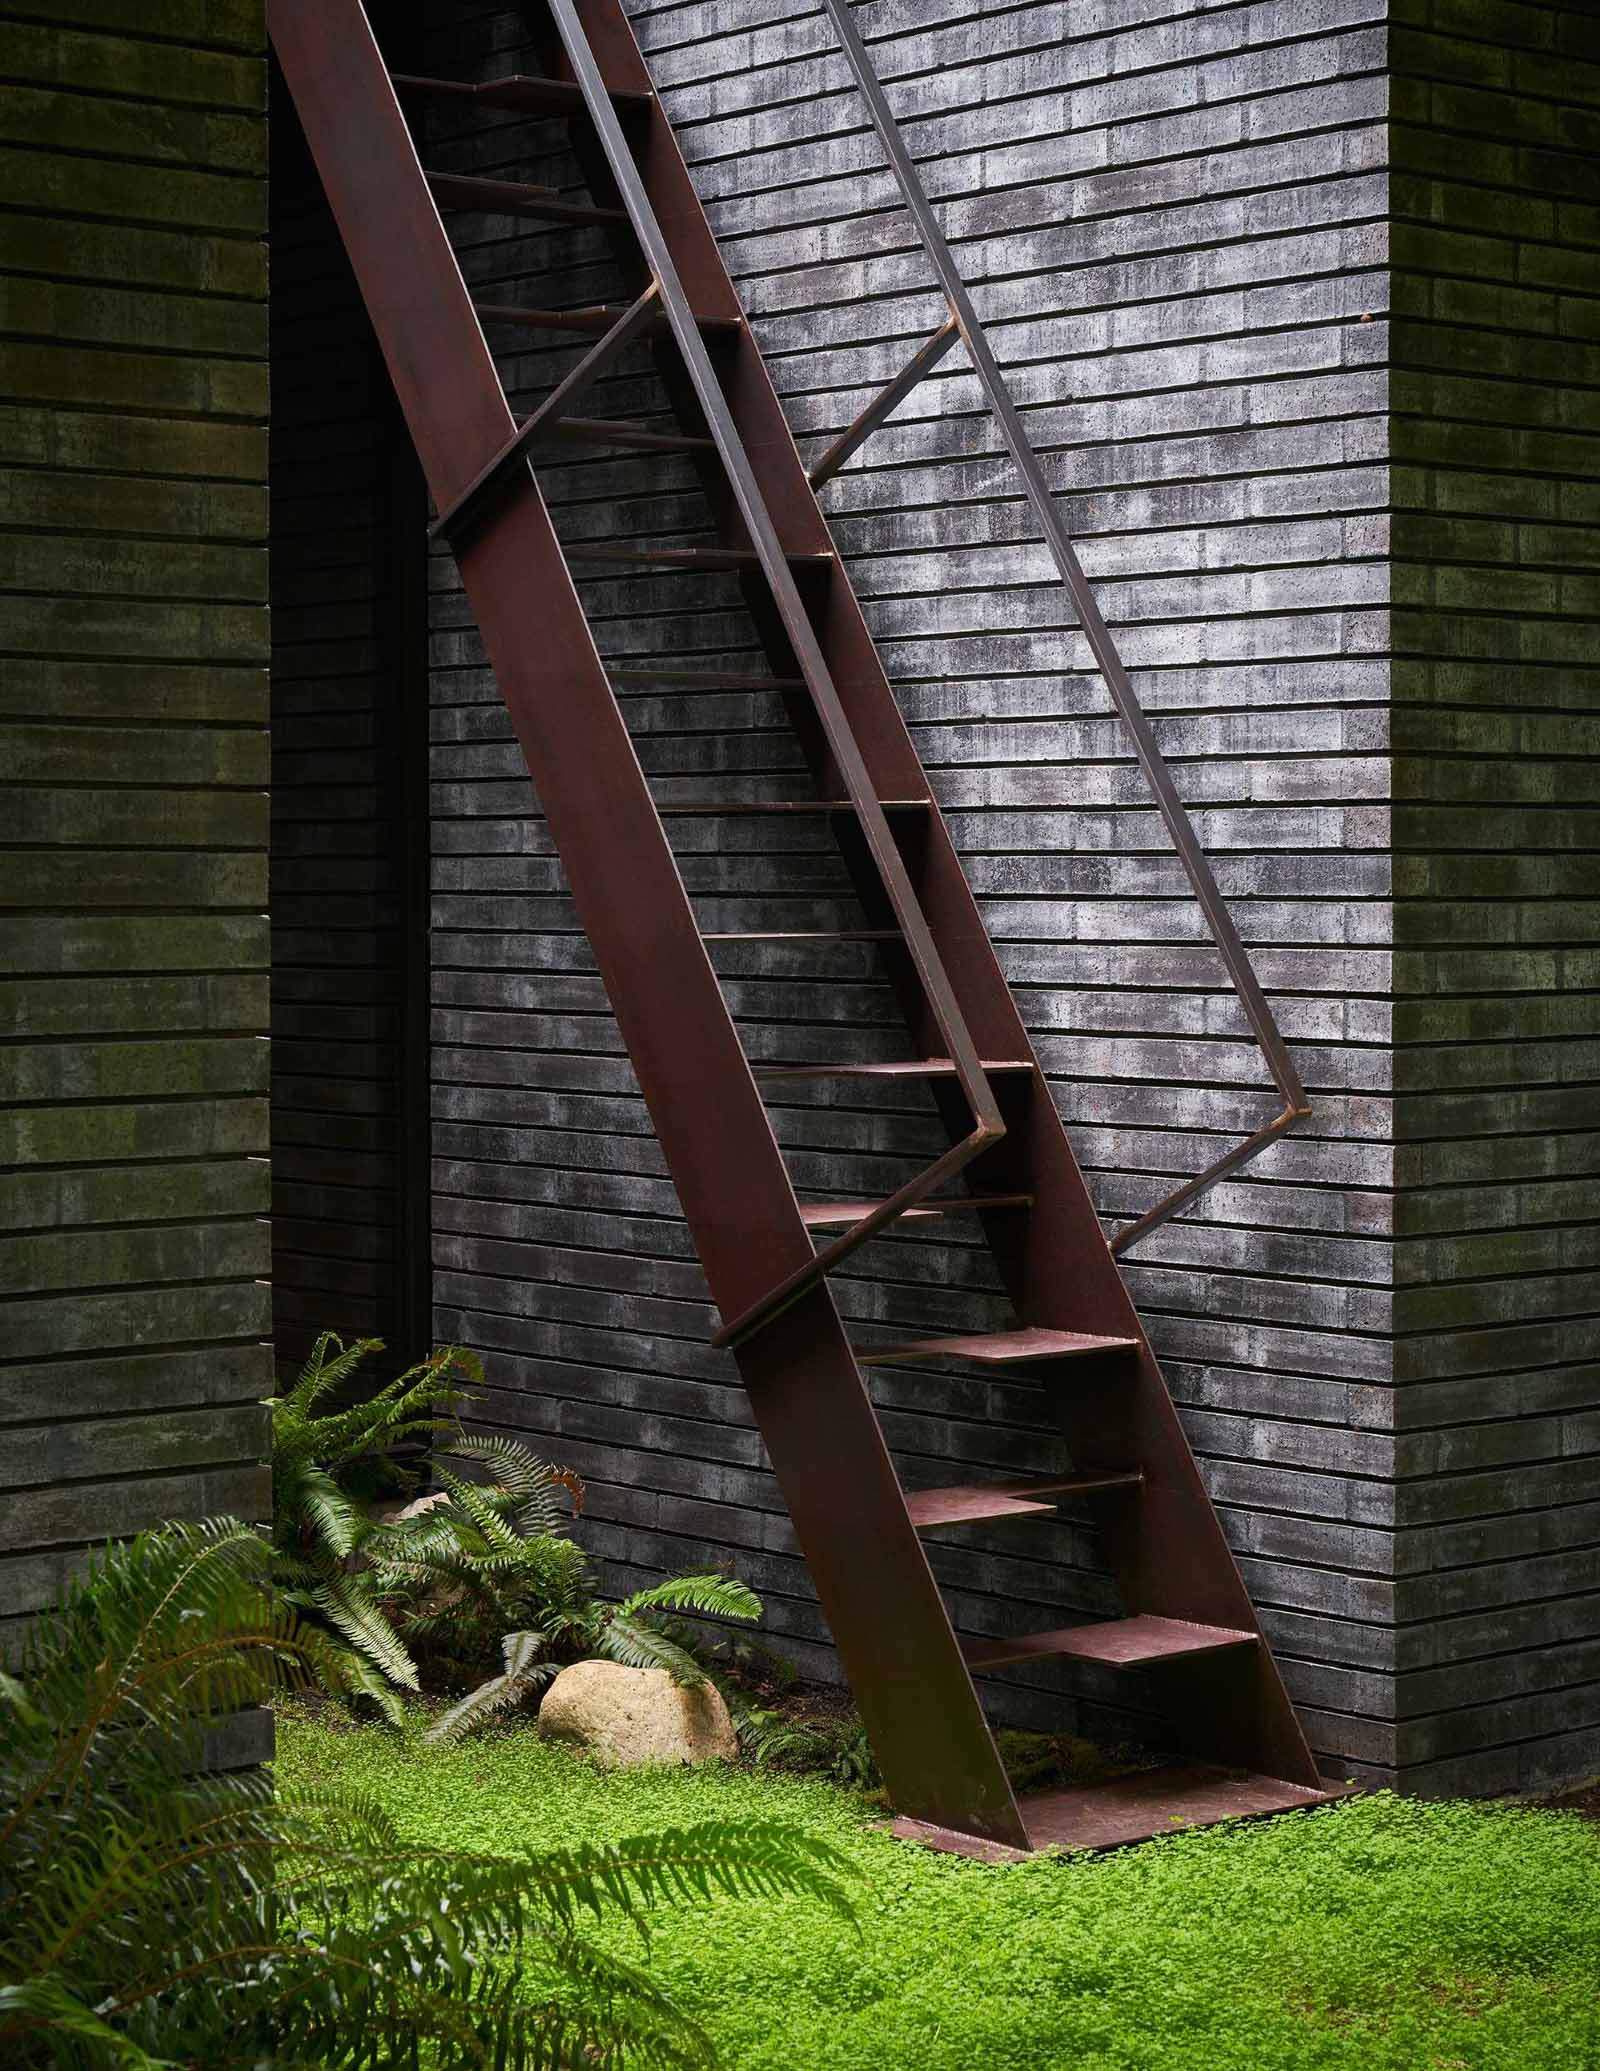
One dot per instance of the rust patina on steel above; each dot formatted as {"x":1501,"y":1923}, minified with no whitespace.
{"x":1189,"y":1632}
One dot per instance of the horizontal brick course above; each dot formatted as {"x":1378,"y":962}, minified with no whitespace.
{"x":1300,"y":306}
{"x":133,"y":730}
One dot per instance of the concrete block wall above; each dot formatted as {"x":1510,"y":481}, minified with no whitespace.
{"x":1176,"y":224}
{"x":1496,"y":699}
{"x":349,"y":835}
{"x":1299,"y":303}
{"x":133,"y":708}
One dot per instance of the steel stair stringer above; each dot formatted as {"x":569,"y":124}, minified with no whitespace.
{"x":872,"y":1573}
{"x":1225,"y":1700}
{"x":1168,"y":1551}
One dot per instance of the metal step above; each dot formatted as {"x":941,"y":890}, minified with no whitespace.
{"x":515,"y":198}
{"x":769,"y":1071}
{"x":1127,"y":1809}
{"x":997,"y":1348}
{"x":518,"y":91}
{"x":687,"y":557}
{"x":979,"y":1502}
{"x":607,"y":431}
{"x":596,"y":319}
{"x":900,"y":1068}
{"x":1113,"y":1642}
{"x":833,"y":1215}
{"x":716,"y":807}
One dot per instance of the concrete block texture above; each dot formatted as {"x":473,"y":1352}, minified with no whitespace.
{"x":133,"y":745}
{"x":1176,"y":223}
{"x":1302,"y":307}
{"x":1495,"y":690}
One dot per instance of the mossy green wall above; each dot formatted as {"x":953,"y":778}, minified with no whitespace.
{"x":133,"y":743}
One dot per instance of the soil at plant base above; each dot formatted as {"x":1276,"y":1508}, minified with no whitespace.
{"x":1585,"y":1801}
{"x":1034,"y":1761}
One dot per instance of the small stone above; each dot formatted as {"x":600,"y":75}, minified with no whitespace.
{"x":395,"y":1512}
{"x":626,"y":1717}
{"x":420,"y":1506}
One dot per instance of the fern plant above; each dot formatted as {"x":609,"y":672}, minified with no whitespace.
{"x":156,"y":1915}
{"x":836,"y":1748}
{"x":329,"y":1465}
{"x":493,"y":1567}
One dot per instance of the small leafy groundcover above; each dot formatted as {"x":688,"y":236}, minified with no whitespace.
{"x":1376,"y":1935}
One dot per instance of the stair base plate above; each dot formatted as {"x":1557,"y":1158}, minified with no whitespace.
{"x":1129,"y":1809}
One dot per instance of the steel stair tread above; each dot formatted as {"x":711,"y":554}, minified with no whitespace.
{"x":711,"y":807}
{"x":980,"y":1502}
{"x":897,"y":1068}
{"x":805,"y":935}
{"x":996,"y":1348}
{"x":1139,"y":1642}
{"x":514,"y":198}
{"x":520,"y":92}
{"x":686,"y":557}
{"x":597,"y":318}
{"x":1125,"y":1809}
{"x":607,"y":431}
{"x":707,"y":679}
{"x":827,"y":1215}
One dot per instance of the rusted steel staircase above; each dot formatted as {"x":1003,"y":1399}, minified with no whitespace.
{"x":1189,"y":1624}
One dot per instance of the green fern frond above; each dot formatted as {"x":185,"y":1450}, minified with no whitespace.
{"x":478,"y":1504}
{"x":524,"y":1672}
{"x":837,"y":1749}
{"x":353,"y":1613}
{"x":331,"y":1362}
{"x":362,"y":1680}
{"x":45,"y":2008}
{"x":717,"y":1596}
{"x":637,"y":1645}
{"x":153,"y":1914}
{"x":514,"y":1468}
{"x":529,"y":1483}
{"x":714,"y":1858}
{"x":768,"y":1737}
{"x":327,"y":1512}
{"x":430,"y":1534}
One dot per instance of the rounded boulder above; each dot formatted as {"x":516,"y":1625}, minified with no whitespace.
{"x":626,"y":1717}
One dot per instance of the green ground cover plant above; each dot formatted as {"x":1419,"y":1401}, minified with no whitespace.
{"x":160,"y":1914}
{"x":1376,"y":1935}
{"x":479,"y":1586}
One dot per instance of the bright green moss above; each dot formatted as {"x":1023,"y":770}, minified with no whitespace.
{"x":1379,"y":1935}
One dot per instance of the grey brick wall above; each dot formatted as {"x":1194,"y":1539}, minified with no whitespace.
{"x":349,"y":835}
{"x":1496,"y":686}
{"x":1347,"y":561}
{"x":1176,"y":224}
{"x":133,"y":941}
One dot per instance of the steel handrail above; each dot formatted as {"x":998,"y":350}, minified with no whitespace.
{"x":1174,"y":813}
{"x":938,"y":991}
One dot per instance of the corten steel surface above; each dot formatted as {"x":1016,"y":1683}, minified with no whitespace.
{"x":1114,"y":1642}
{"x":1077,"y":1335}
{"x":872,"y":1575}
{"x":888,"y":399}
{"x":1191,"y":852}
{"x":1128,"y":1809}
{"x":759,"y":515}
{"x":500,"y":473}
